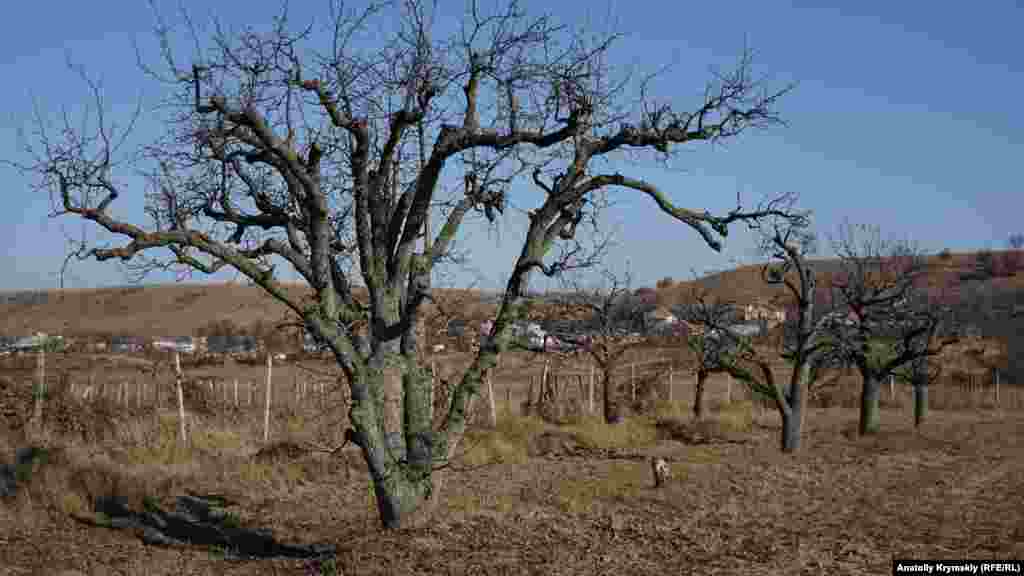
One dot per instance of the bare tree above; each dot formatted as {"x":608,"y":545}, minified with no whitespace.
{"x":610,"y":312}
{"x":283,"y":149}
{"x":787,"y":240}
{"x":714,"y":346}
{"x":889,"y":321}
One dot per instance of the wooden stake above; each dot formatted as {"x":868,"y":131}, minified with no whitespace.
{"x":266,"y":409}
{"x":490,"y":399}
{"x":181,"y":397}
{"x":892,"y":387}
{"x":632,"y":379}
{"x":591,"y":393}
{"x":671,"y":373}
{"x":40,"y":385}
{"x":728,"y":388}
{"x":236,"y":392}
{"x":42,"y":372}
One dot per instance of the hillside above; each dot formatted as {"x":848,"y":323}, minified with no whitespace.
{"x":946,"y":277}
{"x":180,"y":309}
{"x":163,"y":310}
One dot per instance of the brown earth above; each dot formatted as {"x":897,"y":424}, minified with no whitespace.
{"x":529,"y":497}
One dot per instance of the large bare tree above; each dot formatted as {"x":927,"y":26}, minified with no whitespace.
{"x":786,"y":240}
{"x":283,"y":148}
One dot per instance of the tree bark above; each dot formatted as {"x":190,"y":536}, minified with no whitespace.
{"x":870,"y":413}
{"x":793,"y":418}
{"x":791,"y":430}
{"x":401,"y":476}
{"x":920,"y":404}
{"x":698,"y":396}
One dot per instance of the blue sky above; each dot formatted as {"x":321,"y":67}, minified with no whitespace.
{"x":907,"y":115}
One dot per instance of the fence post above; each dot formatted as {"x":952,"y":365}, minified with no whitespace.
{"x":892,"y":387}
{"x":181,"y":397}
{"x":236,"y":392}
{"x":40,"y":388}
{"x":591,"y":392}
{"x":266,"y":409}
{"x":671,"y":373}
{"x":632,"y":379}
{"x":490,"y":399}
{"x":728,"y":388}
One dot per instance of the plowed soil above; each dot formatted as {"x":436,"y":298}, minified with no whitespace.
{"x":843,"y":505}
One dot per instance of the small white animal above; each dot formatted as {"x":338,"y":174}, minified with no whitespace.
{"x":661,"y":472}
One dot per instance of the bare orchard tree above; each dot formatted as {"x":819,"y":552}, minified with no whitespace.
{"x":609,"y":311}
{"x":284,"y":149}
{"x":889,"y":320}
{"x":713,"y":345}
{"x":787,"y":241}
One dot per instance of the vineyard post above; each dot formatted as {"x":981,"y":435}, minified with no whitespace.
{"x":181,"y":397}
{"x":490,"y":398}
{"x":266,"y":409}
{"x":591,"y":388}
{"x":632,"y":380}
{"x":671,"y":373}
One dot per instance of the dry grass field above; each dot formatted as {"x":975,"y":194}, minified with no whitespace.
{"x":528,"y":497}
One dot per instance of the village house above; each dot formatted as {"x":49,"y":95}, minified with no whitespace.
{"x":757,"y":312}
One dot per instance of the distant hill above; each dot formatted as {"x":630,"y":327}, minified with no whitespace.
{"x":181,"y":309}
{"x":165,"y":309}
{"x":947,"y":276}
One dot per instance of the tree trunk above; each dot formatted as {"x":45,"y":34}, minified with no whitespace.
{"x":794,"y":409}
{"x":793,"y":419}
{"x":399,"y":460}
{"x":791,"y":424}
{"x":870,"y":413}
{"x":920,"y":404}
{"x":698,"y":396}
